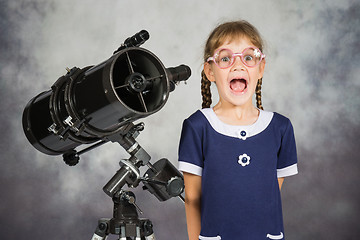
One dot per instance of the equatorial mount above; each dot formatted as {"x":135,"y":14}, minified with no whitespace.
{"x":161,"y":179}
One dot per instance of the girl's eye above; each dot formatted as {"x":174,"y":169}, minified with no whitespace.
{"x":225,"y":59}
{"x":248,"y":58}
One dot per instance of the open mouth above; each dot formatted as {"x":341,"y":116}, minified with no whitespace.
{"x":238,"y":85}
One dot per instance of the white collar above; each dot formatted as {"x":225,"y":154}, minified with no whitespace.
{"x":242,"y":132}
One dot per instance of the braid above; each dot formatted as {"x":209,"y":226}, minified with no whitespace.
{"x":205,"y":91}
{"x":258,"y":94}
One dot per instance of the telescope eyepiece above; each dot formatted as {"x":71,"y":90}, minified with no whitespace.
{"x":135,"y":41}
{"x":177,"y":74}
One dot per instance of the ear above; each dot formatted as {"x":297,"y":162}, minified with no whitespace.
{"x":262,"y":68}
{"x":209,"y":72}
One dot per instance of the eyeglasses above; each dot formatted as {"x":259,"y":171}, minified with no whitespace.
{"x":225,"y":58}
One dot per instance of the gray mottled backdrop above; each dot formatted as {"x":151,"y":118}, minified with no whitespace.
{"x":312,"y":76}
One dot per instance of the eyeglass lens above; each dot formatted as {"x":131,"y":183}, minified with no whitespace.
{"x":250,"y":57}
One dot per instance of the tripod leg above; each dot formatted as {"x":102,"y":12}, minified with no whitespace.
{"x":138,"y":236}
{"x":122,"y":233}
{"x":102,"y":230}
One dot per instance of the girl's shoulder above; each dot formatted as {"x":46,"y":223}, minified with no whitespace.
{"x":196,"y":119}
{"x":282,"y":123}
{"x":282,"y":119}
{"x":196,"y":116}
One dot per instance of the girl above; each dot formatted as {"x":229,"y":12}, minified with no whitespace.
{"x":235,"y":156}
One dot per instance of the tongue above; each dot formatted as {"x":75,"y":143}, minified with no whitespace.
{"x":238,"y":85}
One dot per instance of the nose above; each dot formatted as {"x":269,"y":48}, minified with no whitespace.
{"x":238,"y":65}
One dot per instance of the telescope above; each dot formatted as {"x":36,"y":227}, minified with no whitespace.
{"x":97,"y":104}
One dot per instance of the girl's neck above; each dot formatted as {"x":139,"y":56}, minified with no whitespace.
{"x":236,"y":115}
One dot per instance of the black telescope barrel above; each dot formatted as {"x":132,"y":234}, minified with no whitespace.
{"x":92,"y":103}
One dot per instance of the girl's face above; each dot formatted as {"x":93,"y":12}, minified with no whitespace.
{"x":236,"y":84}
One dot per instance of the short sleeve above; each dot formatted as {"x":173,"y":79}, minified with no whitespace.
{"x":287,"y":156}
{"x":190,"y":150}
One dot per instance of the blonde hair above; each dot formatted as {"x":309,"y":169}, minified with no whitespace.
{"x":221,"y":34}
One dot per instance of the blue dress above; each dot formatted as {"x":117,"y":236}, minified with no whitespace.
{"x":239,"y":166}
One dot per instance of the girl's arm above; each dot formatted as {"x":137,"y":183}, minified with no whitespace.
{"x":193,"y":205}
{"x":280,"y":180}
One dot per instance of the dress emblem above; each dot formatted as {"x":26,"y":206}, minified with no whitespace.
{"x":244,"y":160}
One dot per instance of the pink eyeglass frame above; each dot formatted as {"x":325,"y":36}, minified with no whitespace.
{"x":233,"y":56}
